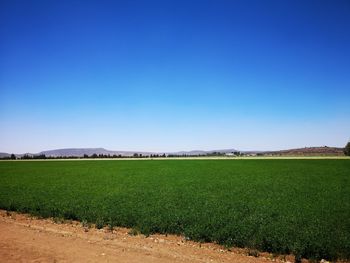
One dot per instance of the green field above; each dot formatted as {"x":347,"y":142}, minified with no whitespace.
{"x":281,"y":206}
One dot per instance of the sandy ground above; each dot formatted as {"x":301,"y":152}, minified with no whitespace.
{"x":26,"y":239}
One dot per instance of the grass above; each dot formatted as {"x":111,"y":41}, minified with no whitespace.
{"x":280,"y":206}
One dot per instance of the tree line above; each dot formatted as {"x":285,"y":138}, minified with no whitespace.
{"x":108,"y":156}
{"x":135,"y":155}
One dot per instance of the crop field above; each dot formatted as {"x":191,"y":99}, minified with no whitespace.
{"x":280,"y":206}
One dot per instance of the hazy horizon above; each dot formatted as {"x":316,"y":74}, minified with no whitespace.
{"x":166,"y":76}
{"x":170,"y":151}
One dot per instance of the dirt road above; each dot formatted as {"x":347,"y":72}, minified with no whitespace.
{"x":26,"y":239}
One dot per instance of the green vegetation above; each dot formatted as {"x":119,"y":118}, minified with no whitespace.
{"x":347,"y":149}
{"x":280,"y":206}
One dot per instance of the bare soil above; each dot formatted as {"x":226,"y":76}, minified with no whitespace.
{"x":24,"y":238}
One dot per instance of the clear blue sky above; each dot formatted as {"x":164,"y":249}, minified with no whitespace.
{"x":174,"y":75}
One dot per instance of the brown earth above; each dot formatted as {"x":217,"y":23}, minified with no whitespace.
{"x":27,"y":239}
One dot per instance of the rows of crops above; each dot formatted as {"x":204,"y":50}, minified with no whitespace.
{"x":281,"y":206}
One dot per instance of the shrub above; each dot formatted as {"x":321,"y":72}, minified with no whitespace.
{"x":347,"y":149}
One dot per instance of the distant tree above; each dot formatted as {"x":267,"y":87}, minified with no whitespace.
{"x":94,"y":155}
{"x":13,"y":157}
{"x":86,"y":156}
{"x":347,"y":149}
{"x":40,"y":156}
{"x":26,"y":156}
{"x":136,"y":155}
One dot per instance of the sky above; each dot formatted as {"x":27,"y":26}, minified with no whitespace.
{"x":174,"y":75}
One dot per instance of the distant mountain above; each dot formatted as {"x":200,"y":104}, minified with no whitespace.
{"x":79,"y":152}
{"x":308,"y":151}
{"x":201,"y":152}
{"x":3,"y":155}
